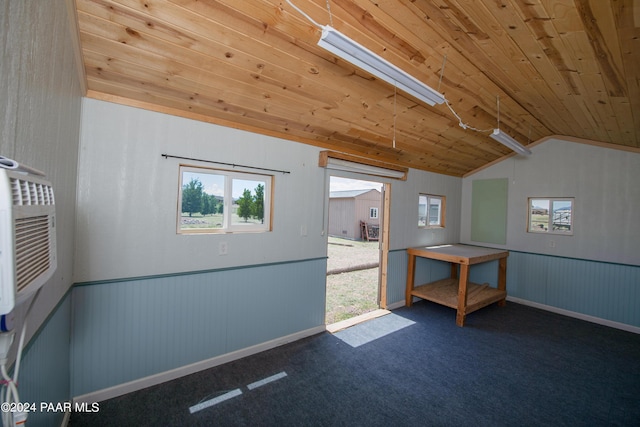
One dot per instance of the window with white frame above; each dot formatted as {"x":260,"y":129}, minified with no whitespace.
{"x":373,"y":213}
{"x":551,"y":215}
{"x":431,"y":211}
{"x":222,"y":201}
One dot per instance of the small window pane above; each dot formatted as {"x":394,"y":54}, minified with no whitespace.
{"x":550,"y":215}
{"x":422,"y":210}
{"x":202,"y":201}
{"x":435,"y":207}
{"x":213,"y":201}
{"x":431,"y":211}
{"x":561,"y":216}
{"x":248,"y":202}
{"x":539,"y":215}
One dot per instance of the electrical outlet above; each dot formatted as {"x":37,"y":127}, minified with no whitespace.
{"x":303,"y":230}
{"x":223,"y":249}
{"x":552,"y":244}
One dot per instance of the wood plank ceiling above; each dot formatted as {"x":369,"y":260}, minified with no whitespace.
{"x":558,"y":67}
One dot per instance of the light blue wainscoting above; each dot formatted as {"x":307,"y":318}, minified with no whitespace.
{"x":396,"y":277}
{"x":44,"y":370}
{"x":130,"y":329}
{"x":599,"y":289}
{"x":427,"y":270}
{"x":603,"y":290}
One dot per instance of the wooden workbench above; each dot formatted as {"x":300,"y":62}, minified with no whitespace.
{"x":457,"y":292}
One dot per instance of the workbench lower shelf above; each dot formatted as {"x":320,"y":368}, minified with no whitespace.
{"x":445,"y":292}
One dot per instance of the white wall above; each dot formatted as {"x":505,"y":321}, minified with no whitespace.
{"x":605,"y":184}
{"x":127,"y":197}
{"x":404,"y":232}
{"x":40,"y":120}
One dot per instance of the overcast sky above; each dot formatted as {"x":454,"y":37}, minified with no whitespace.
{"x":344,"y":184}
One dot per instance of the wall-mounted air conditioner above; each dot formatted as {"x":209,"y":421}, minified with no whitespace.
{"x":27,"y":233}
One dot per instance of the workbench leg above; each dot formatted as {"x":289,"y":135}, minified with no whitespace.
{"x":454,"y":270}
{"x":411,"y":270}
{"x":502,"y":279}
{"x":462,"y":294}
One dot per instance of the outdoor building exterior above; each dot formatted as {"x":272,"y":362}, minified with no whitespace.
{"x":347,"y":209}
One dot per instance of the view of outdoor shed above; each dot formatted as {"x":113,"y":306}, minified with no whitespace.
{"x":349,"y":209}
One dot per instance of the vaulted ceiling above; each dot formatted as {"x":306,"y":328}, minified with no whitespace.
{"x":557,"y":67}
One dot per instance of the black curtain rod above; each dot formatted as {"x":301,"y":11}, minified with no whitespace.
{"x":166,"y":156}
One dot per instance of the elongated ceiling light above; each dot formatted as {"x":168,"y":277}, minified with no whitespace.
{"x":508,"y":141}
{"x":505,"y":139}
{"x":342,"y":46}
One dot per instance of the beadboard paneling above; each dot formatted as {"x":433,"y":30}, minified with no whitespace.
{"x":427,"y":270}
{"x":44,"y":371}
{"x":604,"y":290}
{"x":130,"y":329}
{"x":396,"y":277}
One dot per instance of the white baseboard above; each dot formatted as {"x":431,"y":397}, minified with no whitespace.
{"x":139,"y":384}
{"x":65,"y":419}
{"x":592,"y":319}
{"x":395,"y":305}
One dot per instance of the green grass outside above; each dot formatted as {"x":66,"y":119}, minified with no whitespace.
{"x":351,"y":294}
{"x":356,"y":292}
{"x":539,"y":222}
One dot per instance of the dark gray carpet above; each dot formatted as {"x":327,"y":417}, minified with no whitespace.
{"x":509,"y":366}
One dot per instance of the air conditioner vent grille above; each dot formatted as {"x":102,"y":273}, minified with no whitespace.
{"x":26,"y":193}
{"x":32,"y":248}
{"x":27,"y":234}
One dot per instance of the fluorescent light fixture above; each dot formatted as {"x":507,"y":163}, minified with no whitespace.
{"x":347,"y":166}
{"x":342,"y":46}
{"x":508,"y":141}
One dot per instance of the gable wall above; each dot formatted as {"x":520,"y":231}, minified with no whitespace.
{"x":594,"y":273}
